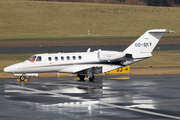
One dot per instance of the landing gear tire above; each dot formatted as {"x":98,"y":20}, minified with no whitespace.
{"x":91,"y":79}
{"x":81,"y":77}
{"x":22,"y":78}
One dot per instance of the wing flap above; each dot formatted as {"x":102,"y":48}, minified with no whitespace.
{"x":81,"y":69}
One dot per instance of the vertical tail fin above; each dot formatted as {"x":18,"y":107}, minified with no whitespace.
{"x":145,"y":44}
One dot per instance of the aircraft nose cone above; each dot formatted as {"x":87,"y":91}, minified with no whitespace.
{"x":7,"y":69}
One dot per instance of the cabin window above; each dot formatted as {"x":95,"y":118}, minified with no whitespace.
{"x":68,"y":58}
{"x":32,"y":58}
{"x":80,"y":57}
{"x":49,"y":58}
{"x":74,"y":58}
{"x":56,"y":58}
{"x":39,"y":58}
{"x":62,"y":58}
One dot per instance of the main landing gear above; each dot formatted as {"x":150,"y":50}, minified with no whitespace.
{"x":81,"y":77}
{"x":91,"y":79}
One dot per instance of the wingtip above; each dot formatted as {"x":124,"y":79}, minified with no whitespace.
{"x":170,"y":31}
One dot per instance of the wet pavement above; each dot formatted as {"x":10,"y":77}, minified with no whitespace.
{"x":109,"y":97}
{"x":77,"y":48}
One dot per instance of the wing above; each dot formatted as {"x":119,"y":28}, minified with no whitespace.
{"x":96,"y":69}
{"x":81,"y":69}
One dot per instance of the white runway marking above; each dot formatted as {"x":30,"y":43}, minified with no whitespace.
{"x":142,"y":111}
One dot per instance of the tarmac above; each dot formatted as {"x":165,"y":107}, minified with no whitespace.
{"x":109,"y":97}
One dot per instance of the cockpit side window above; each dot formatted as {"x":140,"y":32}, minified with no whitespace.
{"x":39,"y":58}
{"x":32,"y":58}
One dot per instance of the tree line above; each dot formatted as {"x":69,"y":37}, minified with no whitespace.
{"x":167,"y":3}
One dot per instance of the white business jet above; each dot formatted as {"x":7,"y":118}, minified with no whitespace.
{"x":86,"y":64}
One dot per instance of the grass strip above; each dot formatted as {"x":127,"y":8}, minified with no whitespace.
{"x":48,"y":20}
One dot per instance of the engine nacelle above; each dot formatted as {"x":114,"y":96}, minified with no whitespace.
{"x":109,"y":55}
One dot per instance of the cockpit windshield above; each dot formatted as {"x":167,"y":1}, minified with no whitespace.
{"x":32,"y":58}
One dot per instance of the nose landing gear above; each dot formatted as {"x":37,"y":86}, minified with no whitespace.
{"x":22,"y":78}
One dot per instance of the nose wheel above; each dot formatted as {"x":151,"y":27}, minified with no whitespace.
{"x":22,"y":78}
